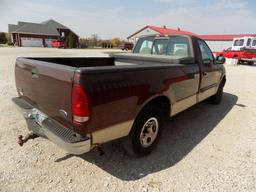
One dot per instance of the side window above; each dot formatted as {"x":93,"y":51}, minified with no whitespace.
{"x":241,"y":42}
{"x":248,"y":42}
{"x":206,"y":53}
{"x":254,"y":43}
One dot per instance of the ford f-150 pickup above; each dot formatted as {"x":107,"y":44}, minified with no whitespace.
{"x":81,"y":103}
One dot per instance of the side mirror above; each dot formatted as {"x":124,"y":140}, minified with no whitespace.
{"x":220,"y":60}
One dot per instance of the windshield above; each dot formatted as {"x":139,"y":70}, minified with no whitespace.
{"x":172,"y":46}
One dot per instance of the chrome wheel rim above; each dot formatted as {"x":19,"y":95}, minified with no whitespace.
{"x":149,"y":132}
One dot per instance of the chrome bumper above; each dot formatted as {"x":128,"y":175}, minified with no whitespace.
{"x":246,"y":59}
{"x":62,"y":136}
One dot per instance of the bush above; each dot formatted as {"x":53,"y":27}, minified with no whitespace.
{"x":95,"y":41}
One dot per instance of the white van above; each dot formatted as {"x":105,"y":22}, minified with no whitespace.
{"x":246,"y":42}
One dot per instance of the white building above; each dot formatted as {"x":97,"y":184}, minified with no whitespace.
{"x":215,"y":42}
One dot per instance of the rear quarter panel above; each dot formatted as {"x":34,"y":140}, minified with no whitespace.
{"x":118,"y":96}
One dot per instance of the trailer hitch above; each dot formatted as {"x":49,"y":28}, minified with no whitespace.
{"x":29,"y":136}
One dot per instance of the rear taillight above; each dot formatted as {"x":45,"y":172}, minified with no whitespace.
{"x":80,"y":104}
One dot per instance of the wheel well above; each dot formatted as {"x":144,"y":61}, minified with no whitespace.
{"x":163,"y":103}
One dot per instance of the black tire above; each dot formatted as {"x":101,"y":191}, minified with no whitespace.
{"x":216,"y":99}
{"x":133,"y":143}
{"x":250,"y":63}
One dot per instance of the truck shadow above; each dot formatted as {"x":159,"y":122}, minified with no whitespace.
{"x":181,"y":134}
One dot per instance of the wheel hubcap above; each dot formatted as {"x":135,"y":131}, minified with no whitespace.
{"x":149,"y":132}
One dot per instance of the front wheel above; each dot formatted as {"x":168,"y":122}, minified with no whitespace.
{"x":216,"y":99}
{"x":145,"y":132}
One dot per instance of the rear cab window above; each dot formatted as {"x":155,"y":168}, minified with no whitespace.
{"x":176,"y":46}
{"x":159,"y":47}
{"x":144,"y":45}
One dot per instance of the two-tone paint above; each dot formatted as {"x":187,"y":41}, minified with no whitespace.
{"x":116,"y":93}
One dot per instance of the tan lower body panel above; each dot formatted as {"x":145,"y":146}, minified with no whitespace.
{"x":192,"y":100}
{"x":206,"y":94}
{"x":183,"y":104}
{"x":123,"y":129}
{"x":111,"y":133}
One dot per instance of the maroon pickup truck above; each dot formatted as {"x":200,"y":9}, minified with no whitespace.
{"x":81,"y":103}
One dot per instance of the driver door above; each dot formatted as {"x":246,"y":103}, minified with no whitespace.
{"x":210,"y":76}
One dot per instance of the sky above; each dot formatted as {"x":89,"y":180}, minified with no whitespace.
{"x":121,"y":18}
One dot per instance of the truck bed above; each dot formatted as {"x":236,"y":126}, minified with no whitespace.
{"x":114,"y":60}
{"x":47,"y":83}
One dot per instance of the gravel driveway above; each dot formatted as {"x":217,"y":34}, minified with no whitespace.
{"x":206,"y":148}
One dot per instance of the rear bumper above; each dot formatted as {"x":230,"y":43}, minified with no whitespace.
{"x":62,"y":136}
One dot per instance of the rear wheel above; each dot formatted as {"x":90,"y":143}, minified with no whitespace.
{"x":145,"y":132}
{"x":250,"y":62}
{"x":216,"y":99}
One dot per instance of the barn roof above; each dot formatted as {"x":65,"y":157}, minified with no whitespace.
{"x":163,"y":31}
{"x":218,"y":37}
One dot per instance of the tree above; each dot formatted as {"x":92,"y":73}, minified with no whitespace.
{"x":94,"y":40}
{"x":71,"y":40}
{"x":3,"y":38}
{"x":8,"y":37}
{"x":84,"y":42}
{"x":116,"y":42}
{"x":106,"y":44}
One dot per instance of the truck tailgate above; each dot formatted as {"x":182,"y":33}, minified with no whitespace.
{"x":46,"y":86}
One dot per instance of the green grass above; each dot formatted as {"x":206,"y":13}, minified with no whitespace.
{"x":3,"y":45}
